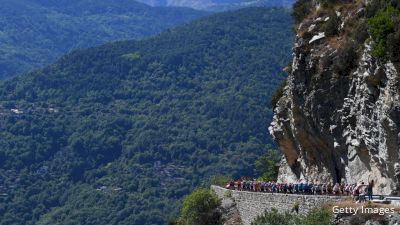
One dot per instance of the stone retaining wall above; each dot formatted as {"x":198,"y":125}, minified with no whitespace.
{"x":252,"y":204}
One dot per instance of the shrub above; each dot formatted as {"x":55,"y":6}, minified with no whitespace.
{"x":301,"y":9}
{"x":318,"y":216}
{"x":219,"y":180}
{"x":373,"y":7}
{"x":265,"y":165}
{"x":331,"y":3}
{"x":201,"y":208}
{"x":394,"y":47}
{"x":327,"y":3}
{"x":380,"y":27}
{"x":360,"y":31}
{"x":376,"y":5}
{"x":288,"y":69}
{"x":273,"y":217}
{"x":296,"y":207}
{"x":278,"y":93}
{"x":173,"y":221}
{"x":346,"y":59}
{"x":331,"y":26}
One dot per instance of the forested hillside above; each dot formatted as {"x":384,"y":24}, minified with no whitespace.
{"x":35,"y":32}
{"x":118,"y":134}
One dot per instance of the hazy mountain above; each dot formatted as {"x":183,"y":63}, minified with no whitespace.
{"x":118,"y":134}
{"x":35,"y":32}
{"x":219,"y":5}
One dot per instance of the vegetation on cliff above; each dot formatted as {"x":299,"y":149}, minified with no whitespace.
{"x":266,"y":165}
{"x":384,"y":27}
{"x":278,"y":93}
{"x":118,"y":134}
{"x":201,"y":207}
{"x":381,"y":21}
{"x":318,"y":216}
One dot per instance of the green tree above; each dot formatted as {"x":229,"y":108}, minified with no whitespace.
{"x":317,"y":216}
{"x":266,"y":164}
{"x":380,"y":26}
{"x":220,"y":180}
{"x":301,"y":9}
{"x":201,"y":207}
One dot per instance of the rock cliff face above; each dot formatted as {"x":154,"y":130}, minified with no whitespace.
{"x":337,"y":124}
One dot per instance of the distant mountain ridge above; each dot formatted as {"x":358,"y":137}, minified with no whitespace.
{"x":219,"y":5}
{"x":34,"y":33}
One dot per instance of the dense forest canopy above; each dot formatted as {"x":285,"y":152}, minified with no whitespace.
{"x":118,"y":134}
{"x":35,"y":32}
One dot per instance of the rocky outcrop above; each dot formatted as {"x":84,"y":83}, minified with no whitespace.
{"x":230,"y":212}
{"x":229,"y":209}
{"x":367,"y":219}
{"x":338,"y":125}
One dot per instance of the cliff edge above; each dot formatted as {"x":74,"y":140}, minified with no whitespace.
{"x":338,"y":117}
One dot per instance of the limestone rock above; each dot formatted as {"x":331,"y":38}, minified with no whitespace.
{"x":338,"y":126}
